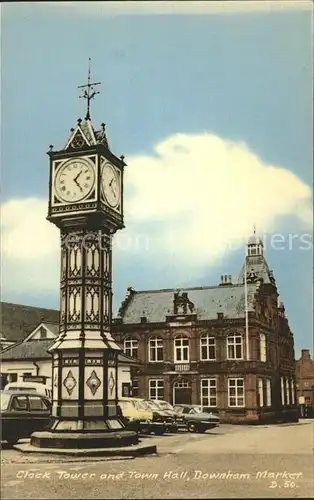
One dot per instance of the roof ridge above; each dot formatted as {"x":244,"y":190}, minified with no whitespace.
{"x":204,"y":287}
{"x":48,"y":322}
{"x":25,"y":305}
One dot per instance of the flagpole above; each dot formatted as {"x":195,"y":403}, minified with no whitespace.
{"x":246,"y":310}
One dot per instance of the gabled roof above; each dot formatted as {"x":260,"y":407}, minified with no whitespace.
{"x":18,"y":321}
{"x":84,"y":134}
{"x":38,"y":349}
{"x":155,"y":305}
{"x":52,"y":327}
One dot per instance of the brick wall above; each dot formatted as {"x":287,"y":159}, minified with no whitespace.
{"x":305,"y":376}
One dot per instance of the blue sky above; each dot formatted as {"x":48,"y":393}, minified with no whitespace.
{"x":242,"y":76}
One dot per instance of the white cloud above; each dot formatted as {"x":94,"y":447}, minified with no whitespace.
{"x":181,"y":7}
{"x":186,"y":204}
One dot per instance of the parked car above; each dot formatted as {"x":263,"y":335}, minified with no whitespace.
{"x":158,"y":423}
{"x":42,"y":389}
{"x":167,"y":416}
{"x":164,"y":405}
{"x":23,"y":413}
{"x":169,"y":409}
{"x":135,"y":415}
{"x":195,"y":419}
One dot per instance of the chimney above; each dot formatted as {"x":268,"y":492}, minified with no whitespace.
{"x":305,"y":354}
{"x":225,"y":279}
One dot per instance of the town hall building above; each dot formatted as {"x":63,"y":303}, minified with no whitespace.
{"x":227,"y":347}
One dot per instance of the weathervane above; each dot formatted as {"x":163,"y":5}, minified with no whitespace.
{"x":89,"y":92}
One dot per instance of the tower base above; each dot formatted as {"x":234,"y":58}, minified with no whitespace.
{"x":98,"y":443}
{"x":79,"y":440}
{"x":106,"y":437}
{"x":119,"y":451}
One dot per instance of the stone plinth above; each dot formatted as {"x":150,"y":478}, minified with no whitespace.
{"x":79,"y":440}
{"x":122,"y":451}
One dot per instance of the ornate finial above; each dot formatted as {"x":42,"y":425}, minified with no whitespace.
{"x":122,"y":157}
{"x":103,"y":126}
{"x":254,"y":229}
{"x":51,"y":147}
{"x":72,"y":129}
{"x":88,"y":91}
{"x":79,"y":121}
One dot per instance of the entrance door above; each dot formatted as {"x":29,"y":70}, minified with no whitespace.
{"x":182,"y":393}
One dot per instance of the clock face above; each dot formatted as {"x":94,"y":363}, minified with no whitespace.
{"x":110,"y":185}
{"x":74,"y":180}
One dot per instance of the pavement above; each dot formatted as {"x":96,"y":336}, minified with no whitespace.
{"x":228,"y":462}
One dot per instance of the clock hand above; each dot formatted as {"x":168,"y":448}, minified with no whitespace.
{"x":77,"y":176}
{"x":78,"y":185}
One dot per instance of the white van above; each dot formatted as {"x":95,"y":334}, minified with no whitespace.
{"x":42,"y":389}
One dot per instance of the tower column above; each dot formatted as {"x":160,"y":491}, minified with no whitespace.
{"x":86,"y":204}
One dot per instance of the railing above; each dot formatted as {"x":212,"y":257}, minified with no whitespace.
{"x":182,"y":367}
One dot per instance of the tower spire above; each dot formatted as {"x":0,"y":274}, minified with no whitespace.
{"x":88,"y":90}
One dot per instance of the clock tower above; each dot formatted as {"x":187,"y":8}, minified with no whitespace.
{"x":86,"y":204}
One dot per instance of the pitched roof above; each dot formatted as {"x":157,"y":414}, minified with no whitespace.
{"x":155,"y":305}
{"x":257,"y":264}
{"x":38,"y":349}
{"x":34,"y":349}
{"x":18,"y":321}
{"x":84,"y":134}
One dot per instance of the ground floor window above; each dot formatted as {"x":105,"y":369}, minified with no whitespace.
{"x":288,"y":391}
{"x":260,"y":386}
{"x":292,"y":392}
{"x":156,"y":389}
{"x":282,"y":382}
{"x":236,"y":392}
{"x":135,"y":389}
{"x":268,"y":392}
{"x":209,"y":392}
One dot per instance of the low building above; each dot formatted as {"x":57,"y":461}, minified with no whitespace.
{"x":305,"y":378}
{"x":227,"y":347}
{"x":18,"y":320}
{"x":30,"y":358}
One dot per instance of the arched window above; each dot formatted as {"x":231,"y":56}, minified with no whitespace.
{"x":130,"y":347}
{"x":155,"y":349}
{"x":207,"y":348}
{"x":234,"y":346}
{"x":181,"y":350}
